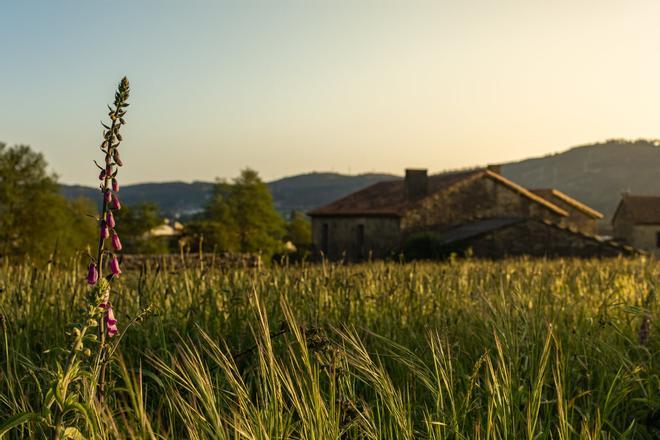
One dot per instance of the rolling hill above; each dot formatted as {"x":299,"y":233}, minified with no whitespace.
{"x":306,"y":191}
{"x":596,"y":174}
{"x":181,"y":199}
{"x":175,"y":199}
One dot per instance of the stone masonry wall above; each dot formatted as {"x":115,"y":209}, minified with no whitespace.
{"x":623,"y":227}
{"x":474,"y":199}
{"x":645,"y":237}
{"x":380,"y":237}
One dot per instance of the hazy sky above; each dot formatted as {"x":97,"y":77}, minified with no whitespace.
{"x":287,"y":87}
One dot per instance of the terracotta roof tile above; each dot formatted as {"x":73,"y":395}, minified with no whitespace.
{"x":475,"y":229}
{"x":481,"y":227}
{"x":642,"y":210}
{"x":386,"y":198}
{"x":389,"y":198}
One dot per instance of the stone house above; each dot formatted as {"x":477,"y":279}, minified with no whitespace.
{"x":636,"y":222}
{"x":466,"y":209}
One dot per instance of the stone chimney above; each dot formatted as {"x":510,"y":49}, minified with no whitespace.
{"x":417,"y":184}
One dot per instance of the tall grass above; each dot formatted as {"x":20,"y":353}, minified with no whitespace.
{"x":456,"y":350}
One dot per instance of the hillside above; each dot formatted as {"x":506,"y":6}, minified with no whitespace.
{"x":596,"y":174}
{"x":306,"y":191}
{"x":173,"y":198}
{"x":301,"y":192}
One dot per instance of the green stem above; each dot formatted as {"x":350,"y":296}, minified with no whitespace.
{"x":99,"y":255}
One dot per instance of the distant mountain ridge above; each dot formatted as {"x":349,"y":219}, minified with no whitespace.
{"x":175,"y":199}
{"x":306,"y":191}
{"x":180,"y":199}
{"x":595,"y":174}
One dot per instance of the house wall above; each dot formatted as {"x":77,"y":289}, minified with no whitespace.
{"x":474,"y":199}
{"x":380,"y":237}
{"x":644,"y":237}
{"x":638,"y":236}
{"x":622,"y":226}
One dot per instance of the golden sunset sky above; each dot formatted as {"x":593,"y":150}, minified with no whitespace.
{"x":287,"y":87}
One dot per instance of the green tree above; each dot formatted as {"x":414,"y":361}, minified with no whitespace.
{"x":299,"y":231}
{"x":260,"y":226}
{"x":35,"y":219}
{"x":133,"y":226}
{"x":76,"y":225}
{"x":219,"y":227}
{"x":241,"y":216}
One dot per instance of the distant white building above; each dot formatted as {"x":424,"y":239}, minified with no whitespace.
{"x":167,"y":229}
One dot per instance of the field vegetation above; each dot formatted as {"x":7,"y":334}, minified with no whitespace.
{"x":456,"y":350}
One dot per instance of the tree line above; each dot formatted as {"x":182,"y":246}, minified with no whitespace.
{"x":37,"y":222}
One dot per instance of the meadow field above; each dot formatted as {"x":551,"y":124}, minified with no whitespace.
{"x":462,"y":349}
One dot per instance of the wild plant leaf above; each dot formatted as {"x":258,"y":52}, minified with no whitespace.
{"x":17,"y":420}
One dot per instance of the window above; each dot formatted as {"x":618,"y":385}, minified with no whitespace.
{"x":324,"y":238}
